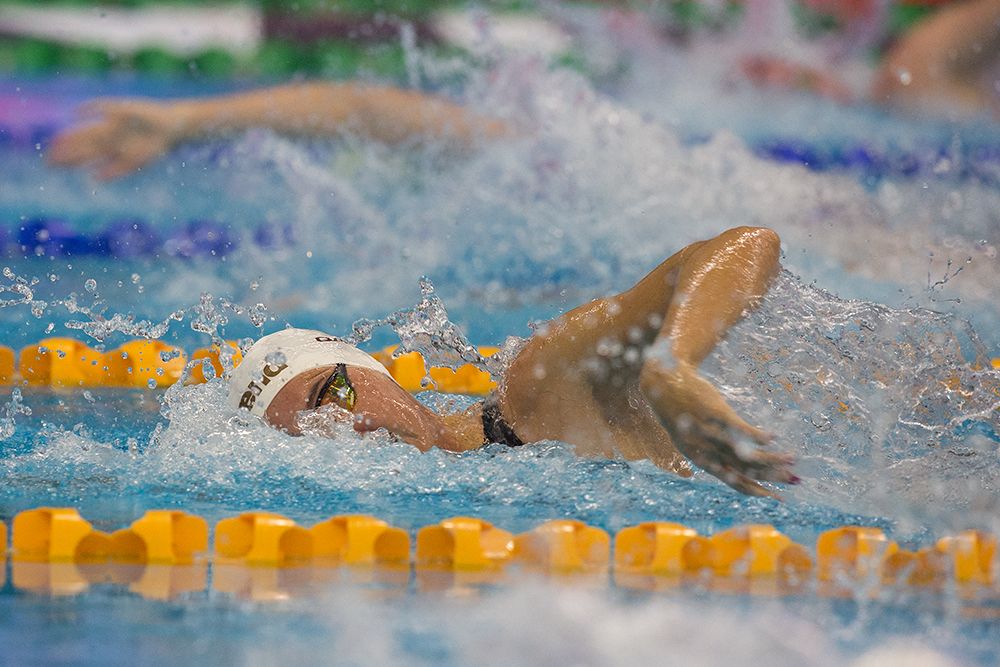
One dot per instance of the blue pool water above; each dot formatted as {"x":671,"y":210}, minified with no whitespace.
{"x":600,"y":192}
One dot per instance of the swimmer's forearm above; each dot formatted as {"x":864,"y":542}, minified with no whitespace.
{"x":385,"y":114}
{"x":716,"y":286}
{"x":425,"y":429}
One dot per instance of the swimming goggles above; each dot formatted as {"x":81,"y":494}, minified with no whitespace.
{"x":337,"y":390}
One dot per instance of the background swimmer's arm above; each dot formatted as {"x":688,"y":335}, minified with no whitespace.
{"x":939,"y":61}
{"x":387,"y":114}
{"x":126,"y":134}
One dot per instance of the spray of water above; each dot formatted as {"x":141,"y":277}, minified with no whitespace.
{"x":891,"y":409}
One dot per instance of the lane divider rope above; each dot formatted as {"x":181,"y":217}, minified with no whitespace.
{"x":133,"y":238}
{"x":647,"y":555}
{"x":67,"y":362}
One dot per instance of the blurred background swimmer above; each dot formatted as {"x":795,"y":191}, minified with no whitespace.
{"x":942,"y":63}
{"x":124,"y":135}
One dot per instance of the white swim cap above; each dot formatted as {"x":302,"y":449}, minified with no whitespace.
{"x":277,"y":358}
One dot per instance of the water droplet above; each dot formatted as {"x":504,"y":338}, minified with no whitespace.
{"x":151,"y":383}
{"x":90,"y":285}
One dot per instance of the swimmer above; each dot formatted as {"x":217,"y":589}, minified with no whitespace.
{"x":944,"y":64}
{"x":947,"y":62}
{"x":616,"y":376}
{"x":123,"y":135}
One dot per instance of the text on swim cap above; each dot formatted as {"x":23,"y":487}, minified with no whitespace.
{"x":249,"y":397}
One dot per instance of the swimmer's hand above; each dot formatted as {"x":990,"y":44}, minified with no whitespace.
{"x":119,"y":137}
{"x":780,"y":74}
{"x":709,"y":432}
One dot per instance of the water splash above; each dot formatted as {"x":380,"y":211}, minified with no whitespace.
{"x":425,"y":328}
{"x":23,"y":293}
{"x":10,"y":410}
{"x":100,"y":328}
{"x":591,"y":192}
{"x":897,"y":410}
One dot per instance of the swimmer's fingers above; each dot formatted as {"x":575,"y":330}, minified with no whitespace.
{"x":95,"y":140}
{"x":126,"y":118}
{"x":750,"y":487}
{"x":130,"y":155}
{"x":81,"y":145}
{"x":714,"y":448}
{"x":733,"y":477}
{"x":758,"y":435}
{"x":768,"y":466}
{"x":756,"y":463}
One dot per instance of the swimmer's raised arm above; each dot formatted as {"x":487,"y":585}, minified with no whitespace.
{"x":621,"y":373}
{"x":126,"y":134}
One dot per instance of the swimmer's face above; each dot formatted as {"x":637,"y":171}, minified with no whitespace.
{"x":378,"y":403}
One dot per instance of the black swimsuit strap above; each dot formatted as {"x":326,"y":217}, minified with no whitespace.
{"x":495,"y":427}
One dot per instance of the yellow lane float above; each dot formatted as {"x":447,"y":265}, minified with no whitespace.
{"x":972,"y":554}
{"x":358,"y":539}
{"x":50,"y":534}
{"x":654,"y":547}
{"x":213,"y":356}
{"x":463,"y":543}
{"x":563,"y":545}
{"x":852,"y":552}
{"x":410,"y":369}
{"x":756,"y":550}
{"x":163,"y":537}
{"x":8,"y":365}
{"x":145,"y":363}
{"x":262,"y":538}
{"x":62,"y":362}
